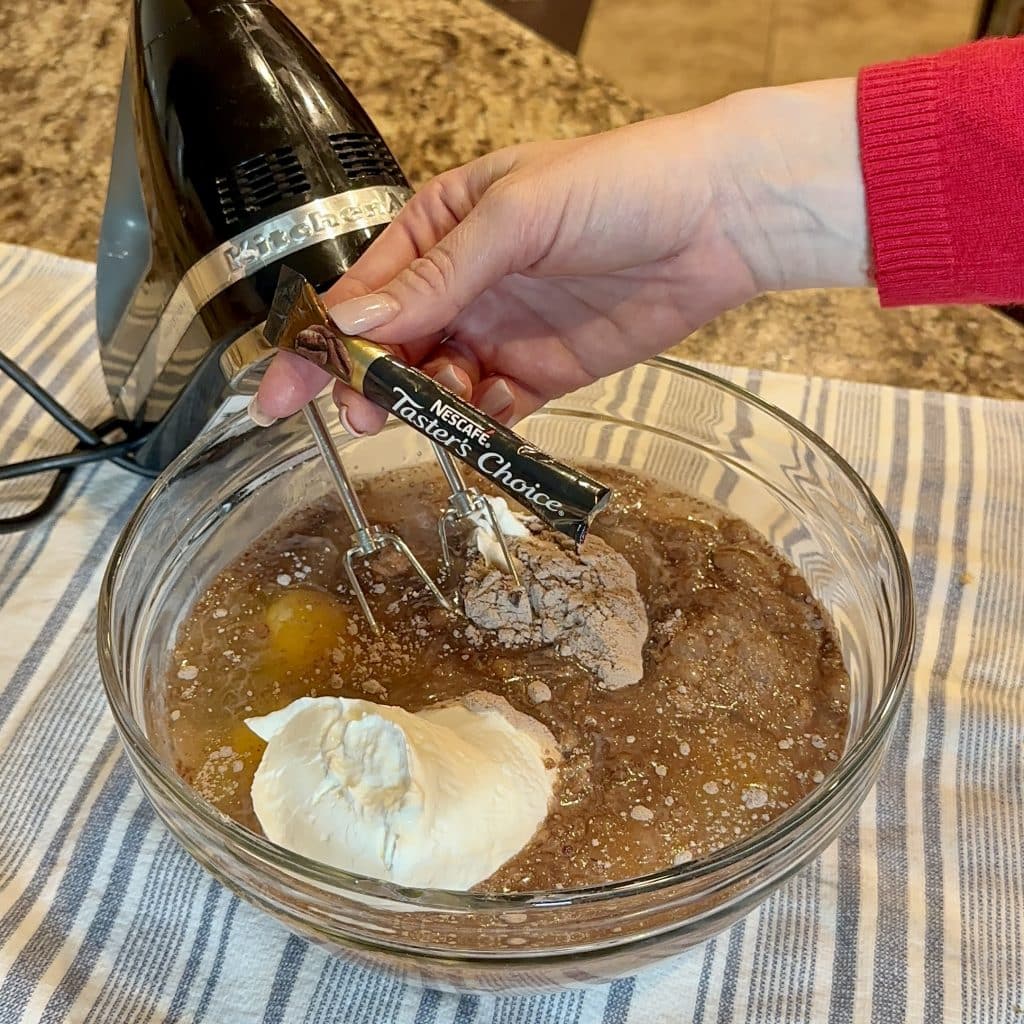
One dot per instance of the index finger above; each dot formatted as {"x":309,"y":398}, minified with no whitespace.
{"x":288,"y":384}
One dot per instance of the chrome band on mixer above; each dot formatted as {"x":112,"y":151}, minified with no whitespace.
{"x":245,"y":254}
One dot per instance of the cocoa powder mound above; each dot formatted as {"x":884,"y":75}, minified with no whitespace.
{"x":583,"y":604}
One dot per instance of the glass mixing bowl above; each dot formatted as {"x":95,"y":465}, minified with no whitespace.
{"x":682,"y":426}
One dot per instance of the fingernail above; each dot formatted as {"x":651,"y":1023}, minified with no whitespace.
{"x":257,"y":415}
{"x":363,"y":313}
{"x":449,"y":379}
{"x":496,"y":399}
{"x":343,"y":416}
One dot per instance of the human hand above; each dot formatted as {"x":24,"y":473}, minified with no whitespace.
{"x":535,"y":270}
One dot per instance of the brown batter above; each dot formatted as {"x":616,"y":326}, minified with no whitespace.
{"x":742,"y":708}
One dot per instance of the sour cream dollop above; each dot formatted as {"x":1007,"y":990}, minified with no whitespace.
{"x":486,"y":542}
{"x":440,"y":798}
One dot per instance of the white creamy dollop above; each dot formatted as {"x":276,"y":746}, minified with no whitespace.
{"x":440,"y":798}
{"x":486,"y":542}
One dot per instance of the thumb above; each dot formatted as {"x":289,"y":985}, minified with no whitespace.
{"x":420,"y":302}
{"x":290,"y":381}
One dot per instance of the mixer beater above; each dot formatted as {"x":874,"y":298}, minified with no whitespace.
{"x":367,"y":539}
{"x":466,"y":505}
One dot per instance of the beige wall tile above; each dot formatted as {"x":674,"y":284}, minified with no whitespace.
{"x":676,"y":54}
{"x":813,"y":39}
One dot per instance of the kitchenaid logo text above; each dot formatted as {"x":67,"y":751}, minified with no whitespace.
{"x":307,"y":225}
{"x":448,"y":427}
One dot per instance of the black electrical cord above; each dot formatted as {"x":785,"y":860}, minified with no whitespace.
{"x":91,"y":447}
{"x":14,"y":524}
{"x":71,"y":423}
{"x":41,"y":396}
{"x":80,"y":455}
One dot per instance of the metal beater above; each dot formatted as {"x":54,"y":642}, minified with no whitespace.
{"x":465,"y":504}
{"x":368,"y":539}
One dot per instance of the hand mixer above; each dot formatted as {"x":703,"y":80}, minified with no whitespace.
{"x":238,"y":151}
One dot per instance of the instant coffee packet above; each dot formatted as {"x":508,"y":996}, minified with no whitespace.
{"x":563,"y":498}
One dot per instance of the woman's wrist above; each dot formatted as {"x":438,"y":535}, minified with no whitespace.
{"x":789,"y":188}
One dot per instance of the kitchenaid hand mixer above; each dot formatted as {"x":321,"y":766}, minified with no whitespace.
{"x":240,"y":160}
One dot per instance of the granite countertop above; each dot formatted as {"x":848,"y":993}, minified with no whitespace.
{"x":445,"y":80}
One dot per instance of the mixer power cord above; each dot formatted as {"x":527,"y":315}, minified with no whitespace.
{"x":91,"y":447}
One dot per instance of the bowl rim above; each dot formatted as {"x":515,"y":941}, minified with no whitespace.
{"x":875,"y":731}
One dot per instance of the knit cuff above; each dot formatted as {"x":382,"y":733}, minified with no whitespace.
{"x":902,"y":162}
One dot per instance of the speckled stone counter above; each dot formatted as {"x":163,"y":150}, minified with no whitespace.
{"x":445,"y":81}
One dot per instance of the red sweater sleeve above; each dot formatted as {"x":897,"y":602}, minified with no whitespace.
{"x":942,"y":151}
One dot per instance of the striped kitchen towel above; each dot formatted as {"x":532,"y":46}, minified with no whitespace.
{"x":915,"y":914}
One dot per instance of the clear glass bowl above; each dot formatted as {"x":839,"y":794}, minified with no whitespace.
{"x":692,"y":430}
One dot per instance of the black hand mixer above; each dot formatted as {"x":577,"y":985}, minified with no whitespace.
{"x":238,"y":152}
{"x":237,"y":148}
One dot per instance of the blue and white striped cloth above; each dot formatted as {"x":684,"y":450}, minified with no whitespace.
{"x":915,"y":914}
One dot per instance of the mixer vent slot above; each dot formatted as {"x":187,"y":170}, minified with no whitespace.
{"x":363,"y":156}
{"x":259,"y":182}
